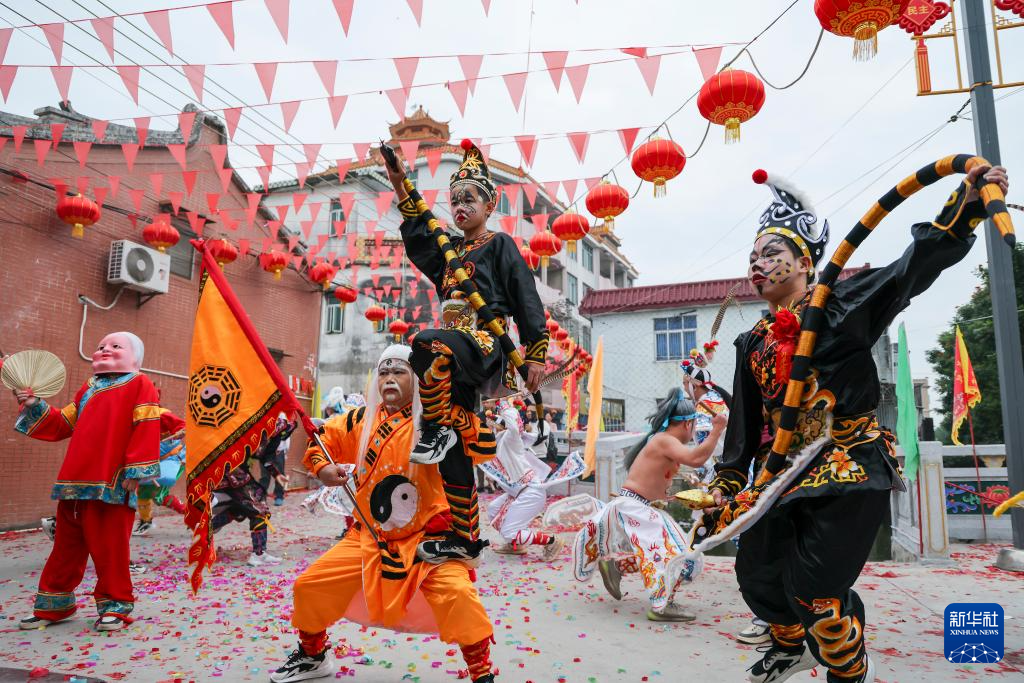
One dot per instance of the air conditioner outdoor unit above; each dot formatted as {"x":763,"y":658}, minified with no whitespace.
{"x":138,"y":267}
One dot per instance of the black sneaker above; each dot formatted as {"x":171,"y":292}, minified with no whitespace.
{"x":489,"y":678}
{"x":435,"y":442}
{"x":301,"y":667}
{"x":451,"y":546}
{"x":142,"y":528}
{"x":778,"y":664}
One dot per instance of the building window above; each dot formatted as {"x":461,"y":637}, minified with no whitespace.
{"x":574,"y":289}
{"x":613,"y":410}
{"x":573,"y":256}
{"x":629,"y":282}
{"x":183,"y":256}
{"x":587,"y":289}
{"x":674,"y":337}
{"x":502,"y":206}
{"x":585,"y":337}
{"x":337,"y":212}
{"x":413,"y":175}
{"x":335,"y":321}
{"x":588,"y":258}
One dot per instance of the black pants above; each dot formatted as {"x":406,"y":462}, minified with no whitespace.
{"x":267,"y":479}
{"x":797,"y":566}
{"x":451,"y":366}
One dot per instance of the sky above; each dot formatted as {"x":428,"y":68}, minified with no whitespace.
{"x":844,"y":133}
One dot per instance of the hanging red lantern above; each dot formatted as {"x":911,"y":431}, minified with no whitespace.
{"x":561,"y":334}
{"x":730,"y":98}
{"x":547,"y":315}
{"x":531,"y":258}
{"x":546,"y":245}
{"x":606,"y":201}
{"x":322,"y":273}
{"x":274,"y":262}
{"x":859,"y":20}
{"x":375,"y":313}
{"x":346,"y":295}
{"x":222,"y":251}
{"x":658,"y":161}
{"x":79,"y":212}
{"x":552,"y":326}
{"x":398,"y":328}
{"x":569,"y":227}
{"x":160,"y":234}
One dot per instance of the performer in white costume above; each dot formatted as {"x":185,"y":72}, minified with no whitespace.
{"x":630,"y":535}
{"x":524,"y":478}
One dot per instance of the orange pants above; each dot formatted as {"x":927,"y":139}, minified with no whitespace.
{"x":323,"y":592}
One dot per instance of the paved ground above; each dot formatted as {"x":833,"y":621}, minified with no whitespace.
{"x":548,"y":627}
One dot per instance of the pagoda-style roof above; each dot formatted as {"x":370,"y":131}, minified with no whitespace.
{"x":420,"y":126}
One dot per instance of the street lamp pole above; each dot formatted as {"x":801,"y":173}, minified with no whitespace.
{"x":1000,"y":271}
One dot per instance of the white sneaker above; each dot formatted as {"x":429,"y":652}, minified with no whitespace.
{"x":49,"y":525}
{"x":143,"y":527}
{"x":435,"y":442}
{"x":255,"y":560}
{"x":302,"y":667}
{"x":34,"y":622}
{"x":109,"y":623}
{"x":270,"y":559}
{"x":778,"y":664}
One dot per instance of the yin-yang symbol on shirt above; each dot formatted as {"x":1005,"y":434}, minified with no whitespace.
{"x":393,"y":502}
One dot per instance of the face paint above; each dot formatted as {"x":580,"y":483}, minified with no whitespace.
{"x":772,"y":264}
{"x":394,"y":381}
{"x":470,"y":207}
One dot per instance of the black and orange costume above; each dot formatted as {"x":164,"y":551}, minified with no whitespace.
{"x":461,"y":361}
{"x":798,"y":562}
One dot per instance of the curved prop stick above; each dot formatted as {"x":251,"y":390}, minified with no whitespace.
{"x":468,"y":286}
{"x":995,"y":206}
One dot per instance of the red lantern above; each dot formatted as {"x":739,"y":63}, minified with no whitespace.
{"x":606,"y":201}
{"x":658,"y":161}
{"x":375,"y":314}
{"x":569,"y":227}
{"x":274,"y":262}
{"x":79,"y":212}
{"x":859,"y":20}
{"x":730,"y":98}
{"x":546,"y":245}
{"x":531,"y":258}
{"x":346,"y":295}
{"x":222,"y":251}
{"x":160,"y":234}
{"x":398,"y":328}
{"x":322,"y":273}
{"x":552,"y":326}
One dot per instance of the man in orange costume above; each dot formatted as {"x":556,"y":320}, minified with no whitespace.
{"x":114,"y":426}
{"x":382,"y":582}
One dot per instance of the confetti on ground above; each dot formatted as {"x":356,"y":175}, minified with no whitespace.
{"x":548,"y":627}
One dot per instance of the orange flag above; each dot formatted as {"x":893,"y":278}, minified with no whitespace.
{"x":966,"y":393}
{"x":595,"y":388}
{"x":235,"y":391}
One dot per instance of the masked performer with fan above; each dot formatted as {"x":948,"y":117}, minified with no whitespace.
{"x":798,"y":562}
{"x":374,"y":576}
{"x":114,"y":427}
{"x":461,"y":361}
{"x":632,"y":535}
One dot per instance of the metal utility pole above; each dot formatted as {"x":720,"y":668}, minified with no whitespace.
{"x":1000,"y":271}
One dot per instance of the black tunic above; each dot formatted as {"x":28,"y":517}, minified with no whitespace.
{"x":844,"y":381}
{"x":497,"y":269}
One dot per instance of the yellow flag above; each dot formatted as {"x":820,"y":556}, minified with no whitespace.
{"x":595,"y":388}
{"x":235,"y":391}
{"x":966,"y":393}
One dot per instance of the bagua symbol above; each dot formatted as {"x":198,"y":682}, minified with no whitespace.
{"x":973,"y":633}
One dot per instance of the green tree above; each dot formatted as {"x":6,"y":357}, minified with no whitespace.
{"x":975,"y":320}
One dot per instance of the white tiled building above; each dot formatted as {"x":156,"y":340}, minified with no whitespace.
{"x":348,"y":343}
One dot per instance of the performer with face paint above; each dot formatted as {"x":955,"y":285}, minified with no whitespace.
{"x":629,"y":535}
{"x":798,"y":562}
{"x":114,"y":427}
{"x":380,"y":581}
{"x":457,"y":364}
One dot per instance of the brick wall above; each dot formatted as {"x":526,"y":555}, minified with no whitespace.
{"x":44,"y":270}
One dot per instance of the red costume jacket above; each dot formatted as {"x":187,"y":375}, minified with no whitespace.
{"x":114,"y":425}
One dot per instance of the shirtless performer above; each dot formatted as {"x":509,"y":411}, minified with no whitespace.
{"x":653,"y":539}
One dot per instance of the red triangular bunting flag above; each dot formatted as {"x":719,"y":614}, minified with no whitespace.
{"x":279,"y":13}
{"x":282,"y":211}
{"x":628,"y":138}
{"x":555,"y":61}
{"x":231,"y":118}
{"x":186,"y":121}
{"x":707,"y":60}
{"x":99,"y":129}
{"x":516,"y":84}
{"x":43,"y":148}
{"x":196,"y":74}
{"x":266,"y":72}
{"x":577,"y":79}
{"x":417,"y":10}
{"x":406,"y":68}
{"x":55,"y":37}
{"x":341,"y":165}
{"x":344,"y":10}
{"x":433,"y":160}
{"x":104,"y":28}
{"x":430,"y":197}
{"x":531,"y":192}
{"x":649,"y":67}
{"x":100,"y":194}
{"x":160,"y":22}
{"x":18,"y":133}
{"x":188,"y":179}
{"x":219,"y":154}
{"x":579,"y":143}
{"x":175,"y":198}
{"x":82,"y":184}
{"x":361,"y":149}
{"x":639,"y":52}
{"x":540,"y":221}
{"x":298,"y":199}
{"x":142,"y":129}
{"x":130,"y":151}
{"x":460,"y":92}
{"x":57,"y":132}
{"x":264,"y":173}
{"x":312,"y":151}
{"x":471,"y":69}
{"x":337,"y":106}
{"x":115,"y":184}
{"x":222,"y":15}
{"x":508,"y":224}
{"x":157,"y":181}
{"x":288,"y":112}
{"x":212,"y":199}
{"x":570,"y":189}
{"x":129,"y":74}
{"x":527,"y":147}
{"x":398,"y":97}
{"x":551,"y":188}
{"x":225,"y":178}
{"x":314,"y":209}
{"x":409,"y":150}
{"x":591,"y":183}
{"x":82,"y":152}
{"x":384,"y":200}
{"x":7,"y":75}
{"x":178,"y":152}
{"x":62,"y":77}
{"x":137,"y":194}
{"x":328,"y":72}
